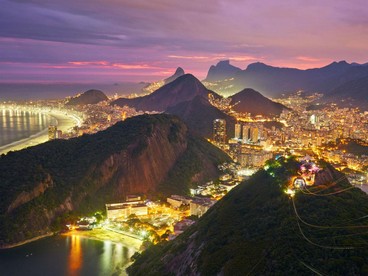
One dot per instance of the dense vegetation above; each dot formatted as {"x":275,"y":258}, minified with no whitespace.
{"x":254,"y":230}
{"x":68,"y":173}
{"x":179,"y":179}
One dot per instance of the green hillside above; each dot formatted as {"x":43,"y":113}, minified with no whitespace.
{"x":148,"y":154}
{"x":255,"y":230}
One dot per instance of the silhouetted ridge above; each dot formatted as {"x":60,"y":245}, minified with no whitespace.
{"x":221,"y":71}
{"x":251,"y":101}
{"x":91,"y":96}
{"x":182,"y":89}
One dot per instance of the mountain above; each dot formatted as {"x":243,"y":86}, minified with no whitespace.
{"x":178,"y":73}
{"x":251,"y":101}
{"x":274,"y":81}
{"x":182,"y":89}
{"x":158,"y":84}
{"x":91,"y":96}
{"x":199,"y":115}
{"x":257,"y":229}
{"x":147,"y":154}
{"x":221,"y":71}
{"x":352,"y":93}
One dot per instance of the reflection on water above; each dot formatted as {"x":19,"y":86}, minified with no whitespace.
{"x":75,"y":256}
{"x":18,"y":124}
{"x":72,"y":255}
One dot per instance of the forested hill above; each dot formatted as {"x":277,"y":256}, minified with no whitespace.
{"x":257,"y":229}
{"x":146,"y":154}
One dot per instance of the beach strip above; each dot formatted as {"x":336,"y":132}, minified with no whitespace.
{"x":64,"y":123}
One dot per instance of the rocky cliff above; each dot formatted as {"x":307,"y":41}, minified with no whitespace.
{"x":137,"y":156}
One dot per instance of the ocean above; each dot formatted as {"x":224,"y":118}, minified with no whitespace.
{"x":16,"y":125}
{"x":71,"y":255}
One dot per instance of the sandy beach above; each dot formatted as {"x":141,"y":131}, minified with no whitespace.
{"x":64,"y":123}
{"x":106,"y":235}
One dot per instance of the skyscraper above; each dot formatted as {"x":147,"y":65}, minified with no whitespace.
{"x":219,"y":131}
{"x":238,"y":129}
{"x":246,"y":133}
{"x":254,"y":134}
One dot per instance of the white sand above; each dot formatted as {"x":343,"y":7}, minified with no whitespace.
{"x":64,"y":123}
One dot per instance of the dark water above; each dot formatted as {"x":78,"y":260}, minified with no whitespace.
{"x":60,"y":255}
{"x":16,"y":125}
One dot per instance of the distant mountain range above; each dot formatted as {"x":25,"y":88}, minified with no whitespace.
{"x":222,"y":71}
{"x":91,"y":96}
{"x":257,"y":229}
{"x":145,"y":154}
{"x":273,"y":81}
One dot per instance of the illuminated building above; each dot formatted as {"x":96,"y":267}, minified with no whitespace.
{"x":254,"y":134}
{"x":125,"y":209}
{"x":199,"y":206}
{"x":238,"y":129}
{"x":52,"y":132}
{"x":246,"y":134}
{"x":219,"y":131}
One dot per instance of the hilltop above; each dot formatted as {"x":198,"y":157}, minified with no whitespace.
{"x":182,"y":89}
{"x":257,"y":229}
{"x":91,"y":96}
{"x":251,"y":101}
{"x":147,"y":154}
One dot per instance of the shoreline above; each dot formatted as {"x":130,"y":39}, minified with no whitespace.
{"x":106,"y":235}
{"x":95,"y":234}
{"x":27,"y":241}
{"x":63,"y":122}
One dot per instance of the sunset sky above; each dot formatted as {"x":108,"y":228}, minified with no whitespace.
{"x":126,"y":40}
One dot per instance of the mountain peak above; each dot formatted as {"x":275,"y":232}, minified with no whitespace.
{"x":257,"y":65}
{"x":222,"y":70}
{"x":178,"y":73}
{"x":251,"y":101}
{"x":183,"y":88}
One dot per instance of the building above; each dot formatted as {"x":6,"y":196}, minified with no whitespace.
{"x":254,"y":134}
{"x":246,"y":134}
{"x":52,"y":132}
{"x":176,"y":201}
{"x":238,"y":130}
{"x":219,"y":131}
{"x":199,"y":206}
{"x":125,"y":209}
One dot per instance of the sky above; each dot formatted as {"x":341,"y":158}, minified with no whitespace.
{"x":145,"y":40}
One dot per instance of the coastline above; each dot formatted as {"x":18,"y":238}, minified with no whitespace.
{"x":27,"y":241}
{"x":64,"y":123}
{"x":106,"y":235}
